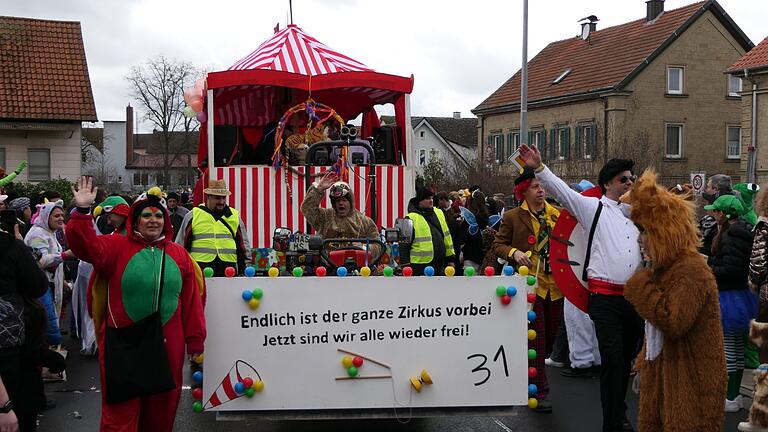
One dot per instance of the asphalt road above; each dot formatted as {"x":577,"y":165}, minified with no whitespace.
{"x":576,"y":403}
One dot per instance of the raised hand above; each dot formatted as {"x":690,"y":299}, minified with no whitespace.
{"x":327,"y":180}
{"x":530,"y":155}
{"x":85,"y":194}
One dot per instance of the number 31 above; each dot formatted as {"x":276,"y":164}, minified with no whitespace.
{"x":484,"y":359}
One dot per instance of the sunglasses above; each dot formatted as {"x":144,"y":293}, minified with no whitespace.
{"x":624,"y":179}
{"x":147,"y":215}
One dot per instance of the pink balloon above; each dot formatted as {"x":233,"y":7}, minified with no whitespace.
{"x":190,"y":95}
{"x":197,"y":105}
{"x":202,"y":117}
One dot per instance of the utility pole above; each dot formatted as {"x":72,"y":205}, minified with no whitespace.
{"x":290,"y":9}
{"x":524,"y":80}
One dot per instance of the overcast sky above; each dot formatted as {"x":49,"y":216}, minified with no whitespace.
{"x":458,"y":51}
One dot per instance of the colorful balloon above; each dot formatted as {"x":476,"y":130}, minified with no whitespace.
{"x":352,"y":371}
{"x":511,"y":291}
{"x":249,"y":392}
{"x":247,"y":295}
{"x":208,"y":272}
{"x":429,"y":271}
{"x":254,"y":303}
{"x":229,"y":271}
{"x":197,"y":407}
{"x":258,"y":385}
{"x":197,"y":377}
{"x":388,"y":271}
{"x":250,"y":271}
{"x":188,"y":112}
{"x":531,"y":334}
{"x":489,"y":271}
{"x":407,"y":271}
{"x":505,"y":299}
{"x":523,"y":270}
{"x":341,"y":271}
{"x":450,"y":271}
{"x":320,"y":271}
{"x":197,"y":393}
{"x":202,"y":117}
{"x":273,"y":272}
{"x":257,"y":293}
{"x":469,"y":271}
{"x":298,"y":272}
{"x":357,"y":361}
{"x":346,"y":361}
{"x":501,"y":290}
{"x":248,"y":382}
{"x":508,"y":270}
{"x":365,"y":271}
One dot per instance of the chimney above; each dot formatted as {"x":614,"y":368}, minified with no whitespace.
{"x":457,"y":114}
{"x":128,"y":134}
{"x":654,"y":8}
{"x":588,"y":27}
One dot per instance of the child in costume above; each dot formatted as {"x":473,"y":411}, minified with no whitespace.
{"x":132,"y":265}
{"x":678,"y":297}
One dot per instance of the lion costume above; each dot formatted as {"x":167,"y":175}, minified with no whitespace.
{"x":682,"y":364}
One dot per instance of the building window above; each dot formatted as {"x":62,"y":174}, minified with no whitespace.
{"x":498,"y":147}
{"x":421,"y":134}
{"x":537,"y":138}
{"x":586,"y":140}
{"x":422,"y":157}
{"x":674,"y":80}
{"x":513,"y":143}
{"x":136,"y":179}
{"x":734,"y":85}
{"x":560,"y":143}
{"x":2,"y":156}
{"x":39,"y":164}
{"x":733,"y":143}
{"x":674,"y":148}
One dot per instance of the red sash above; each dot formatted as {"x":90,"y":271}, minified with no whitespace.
{"x":598,"y":286}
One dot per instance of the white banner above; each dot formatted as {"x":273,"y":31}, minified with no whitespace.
{"x":472,"y":347}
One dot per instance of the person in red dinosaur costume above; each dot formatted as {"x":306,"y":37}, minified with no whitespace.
{"x":131,"y":264}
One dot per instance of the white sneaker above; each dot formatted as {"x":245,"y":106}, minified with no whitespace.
{"x":749,"y":427}
{"x":735,"y":405}
{"x":549,"y":362}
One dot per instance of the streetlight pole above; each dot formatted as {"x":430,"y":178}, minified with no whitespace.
{"x":524,"y":80}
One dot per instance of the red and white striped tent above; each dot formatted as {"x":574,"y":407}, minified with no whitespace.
{"x":284,"y":71}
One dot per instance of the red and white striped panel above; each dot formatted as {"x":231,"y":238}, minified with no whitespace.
{"x":292,"y":50}
{"x":264,"y":204}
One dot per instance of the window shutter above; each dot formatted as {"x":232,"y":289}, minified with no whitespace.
{"x":566,"y":143}
{"x":577,"y":154}
{"x":553,"y":144}
{"x":530,"y":138}
{"x":592,"y":142}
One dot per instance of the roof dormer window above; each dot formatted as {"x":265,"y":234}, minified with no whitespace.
{"x":562,"y":76}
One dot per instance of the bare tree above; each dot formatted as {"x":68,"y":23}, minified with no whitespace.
{"x":158,"y":85}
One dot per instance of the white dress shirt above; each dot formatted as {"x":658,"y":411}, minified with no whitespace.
{"x":615,"y":253}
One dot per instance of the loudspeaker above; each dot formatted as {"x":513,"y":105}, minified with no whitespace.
{"x":225,"y":138}
{"x":384,"y":145}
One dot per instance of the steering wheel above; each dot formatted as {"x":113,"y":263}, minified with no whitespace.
{"x":324,"y":252}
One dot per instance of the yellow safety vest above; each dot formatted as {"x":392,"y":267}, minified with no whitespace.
{"x":422,"y":251}
{"x":211,"y":238}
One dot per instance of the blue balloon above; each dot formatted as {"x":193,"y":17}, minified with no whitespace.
{"x":341,"y":271}
{"x":511,"y":291}
{"x":239,"y":388}
{"x":531,"y":316}
{"x":509,"y":270}
{"x":247,"y":295}
{"x":532,"y":389}
{"x":250,"y":272}
{"x":429,"y":271}
{"x":197,"y":377}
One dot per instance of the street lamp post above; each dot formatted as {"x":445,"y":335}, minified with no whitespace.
{"x":524,"y":80}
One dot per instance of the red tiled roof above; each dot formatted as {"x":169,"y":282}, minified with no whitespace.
{"x":603,"y":61}
{"x":757,"y":58}
{"x":43,"y":71}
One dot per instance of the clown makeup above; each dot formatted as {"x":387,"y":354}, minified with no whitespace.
{"x":151,"y":223}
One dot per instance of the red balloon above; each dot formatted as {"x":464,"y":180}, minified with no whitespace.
{"x":489,"y":271}
{"x":407,"y":271}
{"x":197,"y":393}
{"x":229,"y":271}
{"x":505,"y":299}
{"x":357,"y":361}
{"x":532,"y":372}
{"x":531,"y":297}
{"x":320,"y":271}
{"x":248,"y":382}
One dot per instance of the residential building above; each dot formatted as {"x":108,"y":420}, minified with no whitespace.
{"x":652,"y":90}
{"x":450,"y":140}
{"x":45,"y":95}
{"x":752,"y":71}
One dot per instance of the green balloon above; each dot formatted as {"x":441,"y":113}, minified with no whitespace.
{"x":352,"y":371}
{"x":249,"y":392}
{"x":531,"y":280}
{"x":531,"y":354}
{"x":197,"y":407}
{"x":469,"y":271}
{"x":388,"y":271}
{"x":501,"y":291}
{"x":298,"y":271}
{"x":208,"y":272}
{"x":257,"y":293}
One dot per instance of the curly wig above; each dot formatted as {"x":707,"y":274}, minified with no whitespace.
{"x":667,"y":220}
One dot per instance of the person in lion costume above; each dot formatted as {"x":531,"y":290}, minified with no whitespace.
{"x":682,"y":364}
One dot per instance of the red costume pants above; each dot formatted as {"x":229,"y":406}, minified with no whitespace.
{"x":549,"y":313}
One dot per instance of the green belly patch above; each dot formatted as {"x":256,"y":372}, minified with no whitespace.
{"x":140,"y":285}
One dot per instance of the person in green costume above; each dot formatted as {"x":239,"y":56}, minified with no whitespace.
{"x":748,"y":192}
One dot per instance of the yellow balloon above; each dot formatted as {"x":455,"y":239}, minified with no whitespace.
{"x":533,"y":403}
{"x":253,"y":303}
{"x":200,"y":359}
{"x":258,"y":385}
{"x":528,"y":254}
{"x":531,"y":334}
{"x":365,"y":271}
{"x":523,"y":270}
{"x":273,"y":272}
{"x":450,"y":271}
{"x":346,"y":361}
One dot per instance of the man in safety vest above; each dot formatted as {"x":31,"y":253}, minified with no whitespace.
{"x":214,"y":234}
{"x":432,"y":244}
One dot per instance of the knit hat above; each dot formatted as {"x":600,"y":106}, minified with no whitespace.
{"x":731,"y":205}
{"x":424,"y":193}
{"x":19,"y":203}
{"x":113,"y":204}
{"x":173,"y":195}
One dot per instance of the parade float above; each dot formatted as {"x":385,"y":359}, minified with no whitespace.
{"x":346,"y":335}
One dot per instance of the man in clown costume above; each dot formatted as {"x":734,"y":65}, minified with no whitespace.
{"x":132,"y":264}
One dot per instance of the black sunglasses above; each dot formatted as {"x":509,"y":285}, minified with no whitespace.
{"x":624,"y":179}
